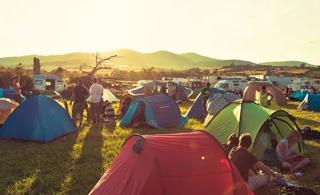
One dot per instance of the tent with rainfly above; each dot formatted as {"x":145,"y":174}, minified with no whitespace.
{"x":197,"y":108}
{"x":39,"y":118}
{"x":159,"y":111}
{"x":299,"y":95}
{"x":171,"y":164}
{"x":248,"y":117}
{"x":310,"y":102}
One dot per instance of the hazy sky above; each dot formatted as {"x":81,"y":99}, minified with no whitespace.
{"x":256,"y":30}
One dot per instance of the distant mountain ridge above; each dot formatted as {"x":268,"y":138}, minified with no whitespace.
{"x":287,"y":63}
{"x":130,"y":59}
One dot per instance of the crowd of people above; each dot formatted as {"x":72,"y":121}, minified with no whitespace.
{"x":255,"y":172}
{"x":91,"y":100}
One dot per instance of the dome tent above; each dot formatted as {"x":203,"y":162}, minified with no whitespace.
{"x":255,"y":86}
{"x":159,"y":111}
{"x":248,"y":117}
{"x":310,"y":102}
{"x":184,"y":163}
{"x":218,"y":101}
{"x":299,"y":95}
{"x":39,"y":118}
{"x":197,"y":109}
{"x":179,"y":92}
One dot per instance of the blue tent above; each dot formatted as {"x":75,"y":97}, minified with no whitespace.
{"x":299,"y":95}
{"x":311,"y":102}
{"x":39,"y":118}
{"x":159,"y":111}
{"x":197,"y":109}
{"x":9,"y":93}
{"x":314,"y":102}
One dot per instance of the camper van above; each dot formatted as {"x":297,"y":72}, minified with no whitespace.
{"x":304,"y":83}
{"x":234,"y":85}
{"x":45,"y":82}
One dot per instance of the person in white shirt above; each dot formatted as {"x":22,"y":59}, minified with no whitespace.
{"x":96,"y":92}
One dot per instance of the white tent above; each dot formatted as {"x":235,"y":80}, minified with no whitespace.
{"x":108,"y":95}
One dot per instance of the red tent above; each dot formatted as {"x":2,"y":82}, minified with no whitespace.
{"x":171,"y":164}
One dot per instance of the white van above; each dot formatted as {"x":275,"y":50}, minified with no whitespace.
{"x":45,"y":82}
{"x":234,"y":85}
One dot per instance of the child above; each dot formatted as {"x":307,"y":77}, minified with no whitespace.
{"x":108,"y":112}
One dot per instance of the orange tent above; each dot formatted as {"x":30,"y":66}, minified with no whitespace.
{"x":7,"y":106}
{"x":255,"y":86}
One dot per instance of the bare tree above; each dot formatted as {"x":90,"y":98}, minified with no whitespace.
{"x":100,"y":64}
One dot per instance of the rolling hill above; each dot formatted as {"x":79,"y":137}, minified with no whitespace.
{"x":287,"y":63}
{"x":131,"y":60}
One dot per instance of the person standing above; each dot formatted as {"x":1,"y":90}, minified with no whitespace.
{"x":265,"y":97}
{"x":96,"y":92}
{"x":15,"y":85}
{"x":80,"y":93}
{"x":205,"y":92}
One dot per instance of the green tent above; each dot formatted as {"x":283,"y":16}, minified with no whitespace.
{"x":249,"y":117}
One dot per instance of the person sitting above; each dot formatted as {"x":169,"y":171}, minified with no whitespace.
{"x":270,"y":157}
{"x":290,"y":160}
{"x":233,"y":141}
{"x":247,"y":165}
{"x":265,"y":97}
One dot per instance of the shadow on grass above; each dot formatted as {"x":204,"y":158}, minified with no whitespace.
{"x":88,"y":168}
{"x":304,"y":122}
{"x":312,"y":172}
{"x":34,"y":168}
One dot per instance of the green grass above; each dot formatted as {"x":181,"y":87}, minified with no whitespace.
{"x":74,"y":163}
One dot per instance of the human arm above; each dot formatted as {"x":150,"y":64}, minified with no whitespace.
{"x":284,"y":154}
{"x":270,"y":95}
{"x":265,"y":169}
{"x":90,"y":90}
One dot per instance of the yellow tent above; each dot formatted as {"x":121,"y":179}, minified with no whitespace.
{"x":7,"y":106}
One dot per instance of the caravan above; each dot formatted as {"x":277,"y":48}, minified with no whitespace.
{"x":304,"y":83}
{"x":45,"y":82}
{"x":234,"y":85}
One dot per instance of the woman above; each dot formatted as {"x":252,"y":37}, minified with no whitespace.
{"x":290,"y":160}
{"x":265,"y":97}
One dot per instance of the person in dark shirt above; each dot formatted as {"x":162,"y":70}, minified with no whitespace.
{"x":205,"y":92}
{"x":80,"y":93}
{"x":247,"y":165}
{"x":233,"y":141}
{"x":163,"y":90}
{"x":108,"y":112}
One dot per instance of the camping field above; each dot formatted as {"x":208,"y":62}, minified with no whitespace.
{"x":74,"y":163}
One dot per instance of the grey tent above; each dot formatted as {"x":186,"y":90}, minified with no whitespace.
{"x":218,"y":101}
